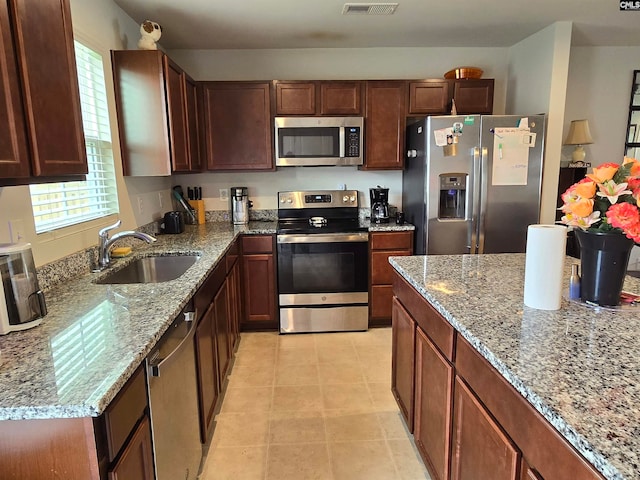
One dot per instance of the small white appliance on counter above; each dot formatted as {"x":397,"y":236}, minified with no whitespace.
{"x":22,"y":303}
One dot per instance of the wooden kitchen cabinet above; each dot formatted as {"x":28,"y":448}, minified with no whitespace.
{"x":403,"y":341}
{"x":383,"y":245}
{"x":324,"y":97}
{"x":480,"y":447}
{"x":41,"y":135}
{"x":136,"y":461}
{"x":207,"y":371}
{"x":194,"y":120}
{"x":429,"y":97}
{"x":259,"y":282}
{"x":433,"y":406}
{"x":152,"y":100}
{"x":473,"y":96}
{"x":385,"y":120}
{"x":222,"y":332}
{"x":238,"y":128}
{"x":234,"y":294}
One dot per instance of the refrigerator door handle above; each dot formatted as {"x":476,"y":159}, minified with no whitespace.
{"x":475,"y":201}
{"x":482,"y":193}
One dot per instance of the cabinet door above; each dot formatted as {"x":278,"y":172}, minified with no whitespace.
{"x":428,"y":96}
{"x":340,"y":98}
{"x":207,"y":368}
{"x":433,"y":404}
{"x":473,"y":96}
{"x":529,"y":473}
{"x":177,"y":117}
{"x":222,"y":333}
{"x":480,"y":448}
{"x":233,"y":307}
{"x":259,"y":290}
{"x":295,"y":98}
{"x":403,"y":334}
{"x":136,"y":462}
{"x":49,"y":86}
{"x":14,"y":159}
{"x":238,"y":126}
{"x":193,"y":134}
{"x":384,"y":125}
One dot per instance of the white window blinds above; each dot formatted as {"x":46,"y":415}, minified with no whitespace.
{"x":57,"y":205}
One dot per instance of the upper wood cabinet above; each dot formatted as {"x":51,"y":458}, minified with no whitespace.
{"x":157,"y":129}
{"x":40,"y":118}
{"x":427,"y":97}
{"x":385,"y":120}
{"x":238,"y":129}
{"x":318,"y":97}
{"x":473,"y":95}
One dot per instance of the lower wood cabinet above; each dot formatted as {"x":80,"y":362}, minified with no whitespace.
{"x":480,"y":448}
{"x":207,"y":371}
{"x":433,"y":406}
{"x":468,"y":422}
{"x":136,"y":461}
{"x":383,"y":245}
{"x":403,"y":335}
{"x":259,"y":282}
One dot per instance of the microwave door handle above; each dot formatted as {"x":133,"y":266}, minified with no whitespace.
{"x":342,"y":137}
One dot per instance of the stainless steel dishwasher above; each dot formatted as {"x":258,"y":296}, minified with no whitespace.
{"x":173,"y":397}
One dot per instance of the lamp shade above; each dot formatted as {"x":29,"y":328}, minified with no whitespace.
{"x":579,"y":133}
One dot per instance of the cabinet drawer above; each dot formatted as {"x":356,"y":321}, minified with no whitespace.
{"x":542,"y":446}
{"x":391,"y":240}
{"x":439,"y":331}
{"x":381,"y":269}
{"x":124,"y":412}
{"x":257,"y":244}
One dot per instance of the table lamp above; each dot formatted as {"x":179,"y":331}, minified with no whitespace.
{"x":579,"y":135}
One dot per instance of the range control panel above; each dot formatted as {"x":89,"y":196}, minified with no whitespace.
{"x":318,"y":199}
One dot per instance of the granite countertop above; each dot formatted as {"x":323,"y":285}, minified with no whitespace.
{"x":95,"y":336}
{"x":578,"y":366}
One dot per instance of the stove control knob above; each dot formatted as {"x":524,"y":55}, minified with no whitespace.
{"x":345,"y":199}
{"x":282,"y":200}
{"x":289,"y":200}
{"x":352,"y":198}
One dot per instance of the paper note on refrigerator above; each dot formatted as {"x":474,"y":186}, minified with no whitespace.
{"x":510,"y":156}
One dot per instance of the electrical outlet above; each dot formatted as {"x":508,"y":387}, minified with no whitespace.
{"x":224,"y":194}
{"x":16,"y":229}
{"x":140,"y":205}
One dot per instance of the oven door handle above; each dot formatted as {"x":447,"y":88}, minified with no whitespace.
{"x":324,"y":238}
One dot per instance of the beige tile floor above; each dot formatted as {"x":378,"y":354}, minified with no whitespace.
{"x":312,"y":406}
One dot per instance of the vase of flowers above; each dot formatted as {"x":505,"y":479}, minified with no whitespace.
{"x":603,"y":208}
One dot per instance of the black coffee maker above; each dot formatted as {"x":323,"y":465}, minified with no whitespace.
{"x":379,"y":204}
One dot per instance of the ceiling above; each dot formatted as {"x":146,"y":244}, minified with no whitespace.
{"x":258,"y":24}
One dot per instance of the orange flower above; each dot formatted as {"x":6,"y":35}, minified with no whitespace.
{"x":583,"y":207}
{"x":604,"y":172}
{"x":635,"y":169}
{"x":586,"y":188}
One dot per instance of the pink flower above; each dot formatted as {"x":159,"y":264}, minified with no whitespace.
{"x":610,"y":190}
{"x":626,"y":217}
{"x":581,"y":222}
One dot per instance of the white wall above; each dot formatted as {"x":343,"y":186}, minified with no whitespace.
{"x":538,"y":67}
{"x":103,"y":26}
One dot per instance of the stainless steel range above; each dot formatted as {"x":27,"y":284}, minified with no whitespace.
{"x":322,"y":262}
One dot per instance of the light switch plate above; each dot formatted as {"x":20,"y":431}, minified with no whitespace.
{"x":224,"y":194}
{"x":16,"y":230}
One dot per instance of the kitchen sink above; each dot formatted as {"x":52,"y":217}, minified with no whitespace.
{"x":156,"y":269}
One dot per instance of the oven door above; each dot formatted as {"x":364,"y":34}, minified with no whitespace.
{"x":323,"y":282}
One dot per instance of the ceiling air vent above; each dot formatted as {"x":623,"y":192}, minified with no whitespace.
{"x":369,"y":8}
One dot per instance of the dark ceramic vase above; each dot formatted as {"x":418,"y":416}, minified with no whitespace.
{"x":604,"y":258}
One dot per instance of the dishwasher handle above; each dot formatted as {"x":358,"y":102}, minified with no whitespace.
{"x":157,"y":364}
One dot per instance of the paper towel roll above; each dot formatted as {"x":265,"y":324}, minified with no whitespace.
{"x":544,"y":266}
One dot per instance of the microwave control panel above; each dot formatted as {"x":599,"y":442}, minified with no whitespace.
{"x":352,"y":141}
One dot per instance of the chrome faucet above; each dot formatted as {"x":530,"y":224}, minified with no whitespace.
{"x":105,"y":243}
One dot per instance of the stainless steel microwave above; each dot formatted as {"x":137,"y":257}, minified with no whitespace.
{"x":318,"y":141}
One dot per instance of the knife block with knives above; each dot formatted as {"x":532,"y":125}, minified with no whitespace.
{"x":194,"y":196}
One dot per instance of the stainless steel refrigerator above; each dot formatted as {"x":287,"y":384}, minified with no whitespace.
{"x":472,"y":183}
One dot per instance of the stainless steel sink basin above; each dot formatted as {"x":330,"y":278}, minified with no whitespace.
{"x":151,"y":269}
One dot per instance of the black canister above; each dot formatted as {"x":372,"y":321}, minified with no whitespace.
{"x":173,"y":222}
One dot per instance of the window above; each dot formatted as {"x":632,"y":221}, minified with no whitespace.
{"x":57,"y":205}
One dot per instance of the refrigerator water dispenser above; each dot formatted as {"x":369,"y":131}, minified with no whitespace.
{"x":453,"y":194}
